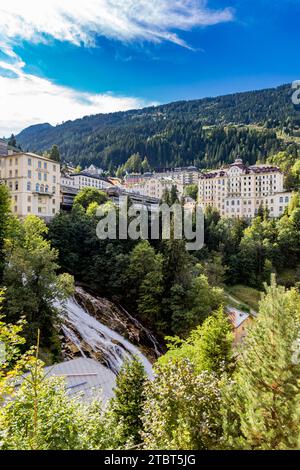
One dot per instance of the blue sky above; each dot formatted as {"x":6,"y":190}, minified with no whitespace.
{"x":67,"y":59}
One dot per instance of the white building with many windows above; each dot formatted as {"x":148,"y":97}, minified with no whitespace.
{"x":240,"y":190}
{"x":34,"y":183}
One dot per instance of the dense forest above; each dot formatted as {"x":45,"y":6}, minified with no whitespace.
{"x":206,"y":394}
{"x":205,"y":133}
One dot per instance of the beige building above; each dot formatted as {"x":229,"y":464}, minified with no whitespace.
{"x":34,"y":183}
{"x":240,"y":190}
{"x":154,"y":184}
{"x":155,"y":187}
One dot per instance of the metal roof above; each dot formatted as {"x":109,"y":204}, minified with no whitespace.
{"x":237,"y":317}
{"x":85,"y":375}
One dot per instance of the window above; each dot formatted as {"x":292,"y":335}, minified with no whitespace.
{"x":53,"y":189}
{"x":39,"y":210}
{"x":16,"y":198}
{"x":28,"y":186}
{"x":29,"y":161}
{"x":53,"y":201}
{"x":16,"y":208}
{"x":45,"y":165}
{"x":28,"y":209}
{"x":54,"y":178}
{"x":10,"y":173}
{"x":37,"y":187}
{"x":16,"y":172}
{"x":45,"y":176}
{"x":281,"y":199}
{"x":40,"y":176}
{"x":42,"y":189}
{"x":39,"y":164}
{"x":29,"y":173}
{"x":16,"y":185}
{"x":47,"y":189}
{"x":29,"y":199}
{"x":53,"y":211}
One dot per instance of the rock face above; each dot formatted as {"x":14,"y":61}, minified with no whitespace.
{"x":95,"y":327}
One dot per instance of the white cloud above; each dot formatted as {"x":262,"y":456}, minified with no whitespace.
{"x":78,"y":21}
{"x":27,"y":99}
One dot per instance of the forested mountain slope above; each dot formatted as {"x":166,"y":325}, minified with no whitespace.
{"x":206,"y":132}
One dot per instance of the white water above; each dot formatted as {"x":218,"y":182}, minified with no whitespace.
{"x":79,"y":325}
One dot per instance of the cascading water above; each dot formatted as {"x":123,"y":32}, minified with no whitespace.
{"x":80,"y":327}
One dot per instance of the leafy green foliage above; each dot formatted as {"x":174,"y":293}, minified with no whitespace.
{"x":87,"y":196}
{"x":182,"y":409}
{"x":192,"y":191}
{"x":209,"y":346}
{"x":32,"y":284}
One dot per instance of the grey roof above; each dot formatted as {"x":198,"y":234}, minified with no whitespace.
{"x":237,"y":317}
{"x":85,"y":375}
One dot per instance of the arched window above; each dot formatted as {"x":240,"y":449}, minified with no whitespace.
{"x":47,"y":189}
{"x":42,"y":188}
{"x":28,"y":186}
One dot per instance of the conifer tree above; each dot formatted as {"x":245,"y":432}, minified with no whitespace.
{"x":265,"y":394}
{"x":127,"y":404}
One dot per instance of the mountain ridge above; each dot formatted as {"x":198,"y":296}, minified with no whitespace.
{"x":175,"y":133}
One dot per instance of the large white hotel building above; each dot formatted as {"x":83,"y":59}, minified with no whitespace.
{"x":240,"y":190}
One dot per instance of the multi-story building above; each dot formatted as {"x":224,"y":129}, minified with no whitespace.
{"x":34,"y":183}
{"x":154,"y":184}
{"x":184,"y":176}
{"x":240,"y":190}
{"x":88,"y":180}
{"x":156,"y":187}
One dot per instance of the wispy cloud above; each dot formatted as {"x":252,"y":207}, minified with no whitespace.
{"x":28,"y":100}
{"x":80,"y":21}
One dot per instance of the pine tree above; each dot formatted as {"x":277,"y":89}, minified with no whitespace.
{"x":54,"y":153}
{"x":265,"y":394}
{"x":127,"y":404}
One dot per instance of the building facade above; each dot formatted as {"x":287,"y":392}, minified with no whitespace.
{"x":240,"y":190}
{"x":154,"y":184}
{"x":88,"y":180}
{"x":34,"y":184}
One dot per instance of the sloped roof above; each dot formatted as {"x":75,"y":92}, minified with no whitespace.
{"x":237,"y":317}
{"x":85,"y":375}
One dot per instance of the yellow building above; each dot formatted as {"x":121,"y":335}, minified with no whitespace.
{"x":34,"y":183}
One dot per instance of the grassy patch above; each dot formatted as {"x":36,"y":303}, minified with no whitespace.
{"x":245,"y":295}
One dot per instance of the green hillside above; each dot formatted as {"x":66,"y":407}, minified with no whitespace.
{"x":206,"y":132}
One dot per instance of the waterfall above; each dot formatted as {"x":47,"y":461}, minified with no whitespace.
{"x":80,"y":327}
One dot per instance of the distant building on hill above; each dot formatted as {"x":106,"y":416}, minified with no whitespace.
{"x":240,"y":190}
